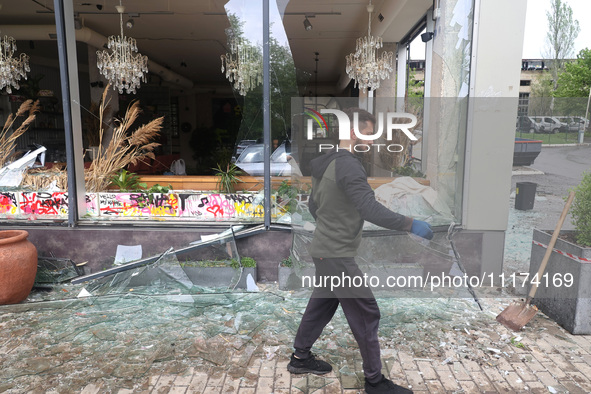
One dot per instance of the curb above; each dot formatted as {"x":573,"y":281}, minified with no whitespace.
{"x":533,"y":172}
{"x":559,"y":145}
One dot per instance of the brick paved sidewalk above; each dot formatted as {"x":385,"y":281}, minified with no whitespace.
{"x":543,"y":358}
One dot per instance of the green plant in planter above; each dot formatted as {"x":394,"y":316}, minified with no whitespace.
{"x":127,"y":181}
{"x":228,"y":178}
{"x":159,"y":189}
{"x":286,"y":262}
{"x":581,"y":211}
{"x":247,"y":262}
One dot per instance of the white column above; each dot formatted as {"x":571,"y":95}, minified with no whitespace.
{"x":401,"y":78}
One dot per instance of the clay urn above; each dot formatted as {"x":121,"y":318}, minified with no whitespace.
{"x":18,"y":266}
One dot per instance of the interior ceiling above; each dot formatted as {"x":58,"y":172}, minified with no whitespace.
{"x":188,"y":36}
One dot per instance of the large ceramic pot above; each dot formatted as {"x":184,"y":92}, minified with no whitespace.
{"x":18,"y":266}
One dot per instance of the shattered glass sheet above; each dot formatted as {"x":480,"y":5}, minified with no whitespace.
{"x":404,"y":265}
{"x":164,"y":276}
{"x":121,"y":340}
{"x":182,"y":271}
{"x":51,"y":270}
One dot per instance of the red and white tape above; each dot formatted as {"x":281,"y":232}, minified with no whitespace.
{"x":569,"y":255}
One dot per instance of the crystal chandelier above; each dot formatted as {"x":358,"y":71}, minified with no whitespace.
{"x":243,"y":64}
{"x":121,"y":67}
{"x":365,"y":65}
{"x":11,"y":69}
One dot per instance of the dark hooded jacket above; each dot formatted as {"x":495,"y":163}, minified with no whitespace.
{"x":341,"y":201}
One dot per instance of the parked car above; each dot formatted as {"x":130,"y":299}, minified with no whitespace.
{"x":577,"y":123}
{"x":251,"y":161}
{"x":526,"y":125}
{"x":243,"y":144}
{"x":549,"y":124}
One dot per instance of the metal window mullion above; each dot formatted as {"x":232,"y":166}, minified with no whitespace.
{"x":66,"y":44}
{"x":266,"y":116}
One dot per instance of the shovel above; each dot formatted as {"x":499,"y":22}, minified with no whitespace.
{"x":517,"y":315}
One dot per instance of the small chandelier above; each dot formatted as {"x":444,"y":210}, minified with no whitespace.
{"x":121,"y":67}
{"x":11,"y":69}
{"x":364,"y":65}
{"x":243,"y":64}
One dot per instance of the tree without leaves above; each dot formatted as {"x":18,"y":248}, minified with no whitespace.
{"x":561,"y":35}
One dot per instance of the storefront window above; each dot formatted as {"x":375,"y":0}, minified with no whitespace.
{"x":448,"y":103}
{"x":204,"y":91}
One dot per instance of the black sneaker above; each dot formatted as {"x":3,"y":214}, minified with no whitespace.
{"x":385,"y":386}
{"x":308,"y":365}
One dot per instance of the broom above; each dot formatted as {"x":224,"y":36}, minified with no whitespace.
{"x":517,"y":315}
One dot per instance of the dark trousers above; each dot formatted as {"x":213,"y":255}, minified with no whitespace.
{"x":359,"y":306}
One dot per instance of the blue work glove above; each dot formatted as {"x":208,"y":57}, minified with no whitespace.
{"x":422,"y":229}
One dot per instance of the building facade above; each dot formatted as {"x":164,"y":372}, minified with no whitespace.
{"x":467,"y":115}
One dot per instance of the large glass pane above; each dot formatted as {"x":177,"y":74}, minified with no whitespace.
{"x":450,"y":82}
{"x":32,"y":140}
{"x":194,"y":110}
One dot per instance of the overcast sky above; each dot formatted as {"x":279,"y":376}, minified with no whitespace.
{"x":536,"y":26}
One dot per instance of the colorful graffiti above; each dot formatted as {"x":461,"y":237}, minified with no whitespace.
{"x":8,"y":203}
{"x":44,"y":203}
{"x":198,"y":206}
{"x":138,"y":204}
{"x":221,"y":206}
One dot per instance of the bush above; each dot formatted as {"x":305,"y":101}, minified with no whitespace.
{"x":581,"y":211}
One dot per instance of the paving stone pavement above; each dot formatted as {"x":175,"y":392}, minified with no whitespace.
{"x":551,"y":361}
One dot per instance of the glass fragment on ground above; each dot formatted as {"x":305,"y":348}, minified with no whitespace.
{"x":122,"y":339}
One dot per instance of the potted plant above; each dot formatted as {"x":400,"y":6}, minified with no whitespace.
{"x":563,"y":292}
{"x":284,"y":273}
{"x":127,"y":181}
{"x":290,"y":276}
{"x":228,"y":178}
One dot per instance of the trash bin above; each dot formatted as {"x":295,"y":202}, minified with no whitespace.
{"x":525,"y":195}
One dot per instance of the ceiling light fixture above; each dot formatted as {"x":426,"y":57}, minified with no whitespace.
{"x":243,"y":64}
{"x":307,"y":24}
{"x":12,"y":69}
{"x":365,"y":65}
{"x":129,"y":24}
{"x":121,"y":67}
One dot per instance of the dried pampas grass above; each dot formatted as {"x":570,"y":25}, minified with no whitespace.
{"x":42,"y":179}
{"x":124,"y":147}
{"x":8,"y":142}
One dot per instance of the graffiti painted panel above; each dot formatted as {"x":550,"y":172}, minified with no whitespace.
{"x":92,"y":208}
{"x":138,"y":204}
{"x":44,"y":203}
{"x":9,"y":203}
{"x":195,"y":206}
{"x":213,"y":206}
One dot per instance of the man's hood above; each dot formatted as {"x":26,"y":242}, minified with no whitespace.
{"x":320,"y":163}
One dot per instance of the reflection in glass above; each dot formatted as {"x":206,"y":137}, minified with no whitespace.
{"x":246,"y":24}
{"x":243,"y":64}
